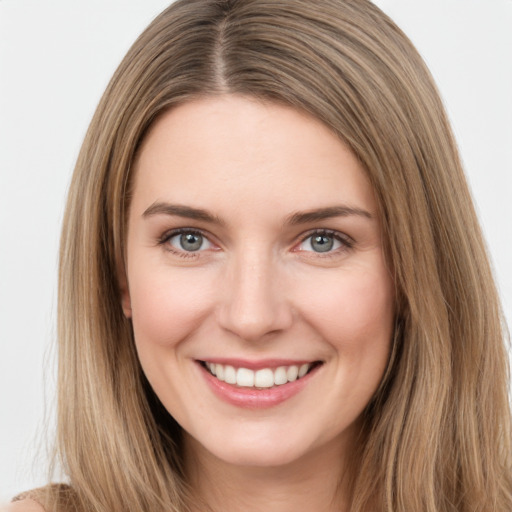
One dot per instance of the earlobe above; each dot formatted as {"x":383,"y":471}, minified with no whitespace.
{"x":126,"y":302}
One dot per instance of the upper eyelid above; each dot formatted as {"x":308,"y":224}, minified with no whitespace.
{"x":166,"y":235}
{"x":330,"y":232}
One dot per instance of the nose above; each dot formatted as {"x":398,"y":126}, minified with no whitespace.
{"x":254,"y":303}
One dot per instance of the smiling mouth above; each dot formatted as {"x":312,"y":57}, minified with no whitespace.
{"x":263,"y":378}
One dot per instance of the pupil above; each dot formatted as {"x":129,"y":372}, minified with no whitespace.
{"x":191,"y":242}
{"x":322,"y":243}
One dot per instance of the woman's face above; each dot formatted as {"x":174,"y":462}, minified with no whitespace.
{"x":255,"y":253}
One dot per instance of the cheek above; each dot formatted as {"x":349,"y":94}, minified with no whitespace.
{"x":353,"y":303}
{"x":356,"y":318}
{"x":168,"y":306}
{"x":354,"y":314}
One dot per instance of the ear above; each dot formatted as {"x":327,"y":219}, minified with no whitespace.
{"x":126,"y":302}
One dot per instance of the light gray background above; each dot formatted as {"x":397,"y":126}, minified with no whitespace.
{"x":56,"y":58}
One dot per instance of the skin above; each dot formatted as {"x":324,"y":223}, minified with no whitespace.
{"x":258,"y":289}
{"x":22,"y":506}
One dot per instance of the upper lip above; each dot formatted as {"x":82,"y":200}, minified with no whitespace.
{"x":258,"y":364}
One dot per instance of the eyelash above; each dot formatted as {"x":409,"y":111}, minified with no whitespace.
{"x":347,"y":243}
{"x":166,"y":237}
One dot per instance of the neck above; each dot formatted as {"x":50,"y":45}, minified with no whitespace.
{"x":318,"y":481}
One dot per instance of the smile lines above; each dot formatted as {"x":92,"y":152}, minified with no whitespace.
{"x":263,"y":378}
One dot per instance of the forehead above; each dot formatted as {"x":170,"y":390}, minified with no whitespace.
{"x":233,"y":149}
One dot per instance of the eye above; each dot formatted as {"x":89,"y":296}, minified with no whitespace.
{"x":188,"y":241}
{"x":324,"y":242}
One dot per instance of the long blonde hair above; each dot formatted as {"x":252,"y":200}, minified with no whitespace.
{"x":437,"y":433}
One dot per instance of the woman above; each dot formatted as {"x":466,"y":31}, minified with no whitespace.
{"x":273,"y":287}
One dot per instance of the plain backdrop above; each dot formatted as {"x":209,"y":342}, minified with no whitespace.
{"x":56,"y":58}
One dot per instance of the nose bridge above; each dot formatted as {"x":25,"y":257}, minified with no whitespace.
{"x":254,"y":303}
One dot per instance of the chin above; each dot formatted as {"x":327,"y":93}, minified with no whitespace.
{"x":261,"y":449}
{"x":256,"y":457}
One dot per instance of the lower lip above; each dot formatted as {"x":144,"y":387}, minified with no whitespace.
{"x":253,"y":398}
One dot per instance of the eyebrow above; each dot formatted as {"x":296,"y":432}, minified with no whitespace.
{"x":189,"y":212}
{"x":327,"y":213}
{"x":182,"y":211}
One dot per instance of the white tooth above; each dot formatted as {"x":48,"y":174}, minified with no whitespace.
{"x":211,"y":366}
{"x":219,"y":371}
{"x":303,"y":370}
{"x":292,"y":373}
{"x":264,"y":378}
{"x":280,"y":376}
{"x":245,"y":377}
{"x":230,"y":374}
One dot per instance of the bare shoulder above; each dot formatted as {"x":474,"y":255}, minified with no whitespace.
{"x":25,"y":505}
{"x":54,"y":496}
